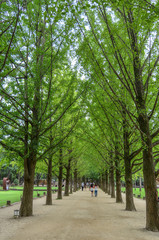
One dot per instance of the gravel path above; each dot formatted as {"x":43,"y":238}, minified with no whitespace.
{"x":77,"y":217}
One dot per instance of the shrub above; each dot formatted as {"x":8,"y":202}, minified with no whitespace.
{"x":16,"y":181}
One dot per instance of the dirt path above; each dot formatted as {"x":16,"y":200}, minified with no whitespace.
{"x":77,"y":217}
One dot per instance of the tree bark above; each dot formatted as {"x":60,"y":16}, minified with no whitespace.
{"x":152,"y":216}
{"x":26,"y":208}
{"x":49,"y":178}
{"x":79,"y":183}
{"x":31,"y":150}
{"x":130,"y":206}
{"x":68,"y":176}
{"x":75,"y":180}
{"x":59,"y":194}
{"x":104,"y":182}
{"x":71,"y":183}
{"x":106,"y":176}
{"x":118,"y":187}
{"x":112,"y":181}
{"x":101,"y":181}
{"x":109,"y":183}
{"x":118,"y":180}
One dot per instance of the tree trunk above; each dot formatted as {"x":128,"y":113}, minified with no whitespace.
{"x":38,"y":176}
{"x":26,"y":208}
{"x":104,"y":182}
{"x":68,"y":177}
{"x":79,"y":183}
{"x":67,"y":183}
{"x":71,"y":183}
{"x":118,"y":180}
{"x":109,"y":184}
{"x":49,"y":178}
{"x":152,"y":217}
{"x":19,"y":176}
{"x":118,"y":187}
{"x":68,"y":169}
{"x":75,"y":180}
{"x":101,"y":182}
{"x":112,"y":181}
{"x":106,"y":176}
{"x":59,"y":194}
{"x":130,"y":206}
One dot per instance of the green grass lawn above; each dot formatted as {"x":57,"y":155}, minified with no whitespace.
{"x":137,"y":192}
{"x":36,"y":188}
{"x":15,"y":196}
{"x":21,"y":188}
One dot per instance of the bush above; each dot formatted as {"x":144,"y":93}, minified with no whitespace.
{"x":1,"y":182}
{"x":16,"y":181}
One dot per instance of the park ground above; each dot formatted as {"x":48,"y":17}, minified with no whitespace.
{"x":77,"y":217}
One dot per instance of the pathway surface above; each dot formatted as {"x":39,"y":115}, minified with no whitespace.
{"x":77,"y":217}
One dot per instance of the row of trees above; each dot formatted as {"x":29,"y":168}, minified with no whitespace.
{"x":79,"y":90}
{"x":118,"y":48}
{"x":38,"y":88}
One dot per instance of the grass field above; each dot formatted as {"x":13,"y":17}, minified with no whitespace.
{"x":137,"y":192}
{"x":15,"y":196}
{"x":36,"y":188}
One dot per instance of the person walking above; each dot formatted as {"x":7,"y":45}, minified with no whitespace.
{"x":91,"y":187}
{"x":95,"y":190}
{"x":82,"y":185}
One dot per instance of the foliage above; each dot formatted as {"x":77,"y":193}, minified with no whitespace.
{"x":16,"y":181}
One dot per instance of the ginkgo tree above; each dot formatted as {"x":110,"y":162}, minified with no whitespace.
{"x":115,"y":46}
{"x":26,"y":93}
{"x":121,"y":39}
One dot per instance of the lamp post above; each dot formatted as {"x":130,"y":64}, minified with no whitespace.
{"x":16,"y":213}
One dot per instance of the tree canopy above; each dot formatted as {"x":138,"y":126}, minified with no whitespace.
{"x":79,"y":94}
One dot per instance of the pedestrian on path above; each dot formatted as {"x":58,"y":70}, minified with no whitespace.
{"x":95,"y":190}
{"x":91,"y":186}
{"x":82,"y":185}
